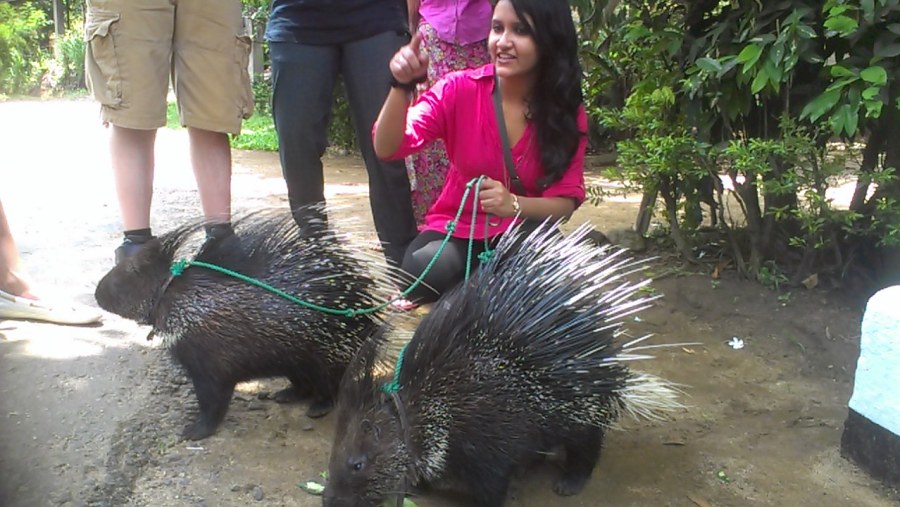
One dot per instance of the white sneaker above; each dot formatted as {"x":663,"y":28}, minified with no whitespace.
{"x":14,"y":307}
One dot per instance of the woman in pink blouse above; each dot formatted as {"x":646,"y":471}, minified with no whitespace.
{"x":533,"y":50}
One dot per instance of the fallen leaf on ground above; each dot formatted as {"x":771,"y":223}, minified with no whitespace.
{"x":312,"y":487}
{"x":721,"y":266}
{"x":811,"y":281}
{"x":699,"y":501}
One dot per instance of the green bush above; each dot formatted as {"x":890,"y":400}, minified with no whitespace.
{"x":257,"y":133}
{"x":69,"y":61}
{"x":757,"y":110}
{"x":262,"y":96}
{"x":23,"y":54}
{"x":341,"y":134}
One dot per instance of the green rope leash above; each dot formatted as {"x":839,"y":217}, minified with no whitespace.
{"x":178,"y":267}
{"x":394,"y":385}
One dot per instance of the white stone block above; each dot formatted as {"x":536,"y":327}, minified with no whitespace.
{"x":876,"y":390}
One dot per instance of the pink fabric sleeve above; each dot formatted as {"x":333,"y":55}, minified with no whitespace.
{"x":572,"y":182}
{"x":425,"y":119}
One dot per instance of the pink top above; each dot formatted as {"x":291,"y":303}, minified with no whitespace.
{"x":459,"y":21}
{"x":460,"y":110}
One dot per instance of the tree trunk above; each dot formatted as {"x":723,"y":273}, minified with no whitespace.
{"x":667,"y":188}
{"x":645,"y":211}
{"x":749,"y":194}
{"x":869,"y":163}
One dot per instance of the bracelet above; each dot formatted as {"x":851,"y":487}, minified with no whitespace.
{"x":409,"y":87}
{"x":516,"y":207}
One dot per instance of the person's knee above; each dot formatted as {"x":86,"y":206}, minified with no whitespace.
{"x":134,"y":137}
{"x":207,"y":137}
{"x":437,"y":277}
{"x":415,"y":262}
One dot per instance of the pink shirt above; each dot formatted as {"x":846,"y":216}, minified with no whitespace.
{"x":458,"y":21}
{"x":460,"y":110}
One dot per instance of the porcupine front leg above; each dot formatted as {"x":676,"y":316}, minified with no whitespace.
{"x":213,"y":399}
{"x":212,"y":387}
{"x":582,"y":452}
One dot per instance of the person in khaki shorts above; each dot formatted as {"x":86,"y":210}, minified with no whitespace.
{"x":132,"y":49}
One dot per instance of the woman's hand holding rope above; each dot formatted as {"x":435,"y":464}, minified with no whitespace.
{"x":496,"y":199}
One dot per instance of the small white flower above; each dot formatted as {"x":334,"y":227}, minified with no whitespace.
{"x":736,"y":343}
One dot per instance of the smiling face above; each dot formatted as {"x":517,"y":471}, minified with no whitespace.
{"x":511,"y":43}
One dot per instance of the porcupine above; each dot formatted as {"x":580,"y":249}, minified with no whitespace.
{"x":525,"y":356}
{"x":223,"y":330}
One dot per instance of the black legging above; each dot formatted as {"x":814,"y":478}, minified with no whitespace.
{"x":450,"y":268}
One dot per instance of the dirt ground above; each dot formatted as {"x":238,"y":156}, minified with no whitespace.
{"x":91,"y":416}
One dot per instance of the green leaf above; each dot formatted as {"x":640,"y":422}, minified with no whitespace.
{"x":806,"y":32}
{"x":790,"y":62}
{"x":820,"y":105}
{"x":312,"y":487}
{"x":873,"y":108}
{"x":870,"y":92}
{"x":840,"y":83}
{"x":765,"y":38}
{"x":776,"y":54}
{"x":727,"y":65}
{"x":875,"y":75}
{"x":709,"y":64}
{"x":774,"y":73}
{"x":759,"y":82}
{"x":887,"y":50}
{"x":749,"y":55}
{"x":840,"y":71}
{"x":837,"y":10}
{"x":636,"y":32}
{"x":851,"y":119}
{"x":868,"y":8}
{"x":894,"y":28}
{"x":837,"y":121}
{"x":842,"y":25}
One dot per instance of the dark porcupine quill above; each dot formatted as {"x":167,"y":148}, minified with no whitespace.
{"x":223,"y":330}
{"x":524,"y":357}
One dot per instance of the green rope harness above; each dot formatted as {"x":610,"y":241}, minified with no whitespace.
{"x":178,"y":267}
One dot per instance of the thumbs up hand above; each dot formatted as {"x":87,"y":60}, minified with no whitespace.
{"x":410,"y":64}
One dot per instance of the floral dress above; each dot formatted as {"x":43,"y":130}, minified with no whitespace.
{"x":428,"y":168}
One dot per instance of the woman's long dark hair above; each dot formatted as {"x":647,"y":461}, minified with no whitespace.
{"x":554,"y":103}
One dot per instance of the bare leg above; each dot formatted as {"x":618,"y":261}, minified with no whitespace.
{"x":11,"y":280}
{"x":211,"y":160}
{"x":131,"y":151}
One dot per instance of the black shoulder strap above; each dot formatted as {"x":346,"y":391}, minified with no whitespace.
{"x":504,"y":140}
